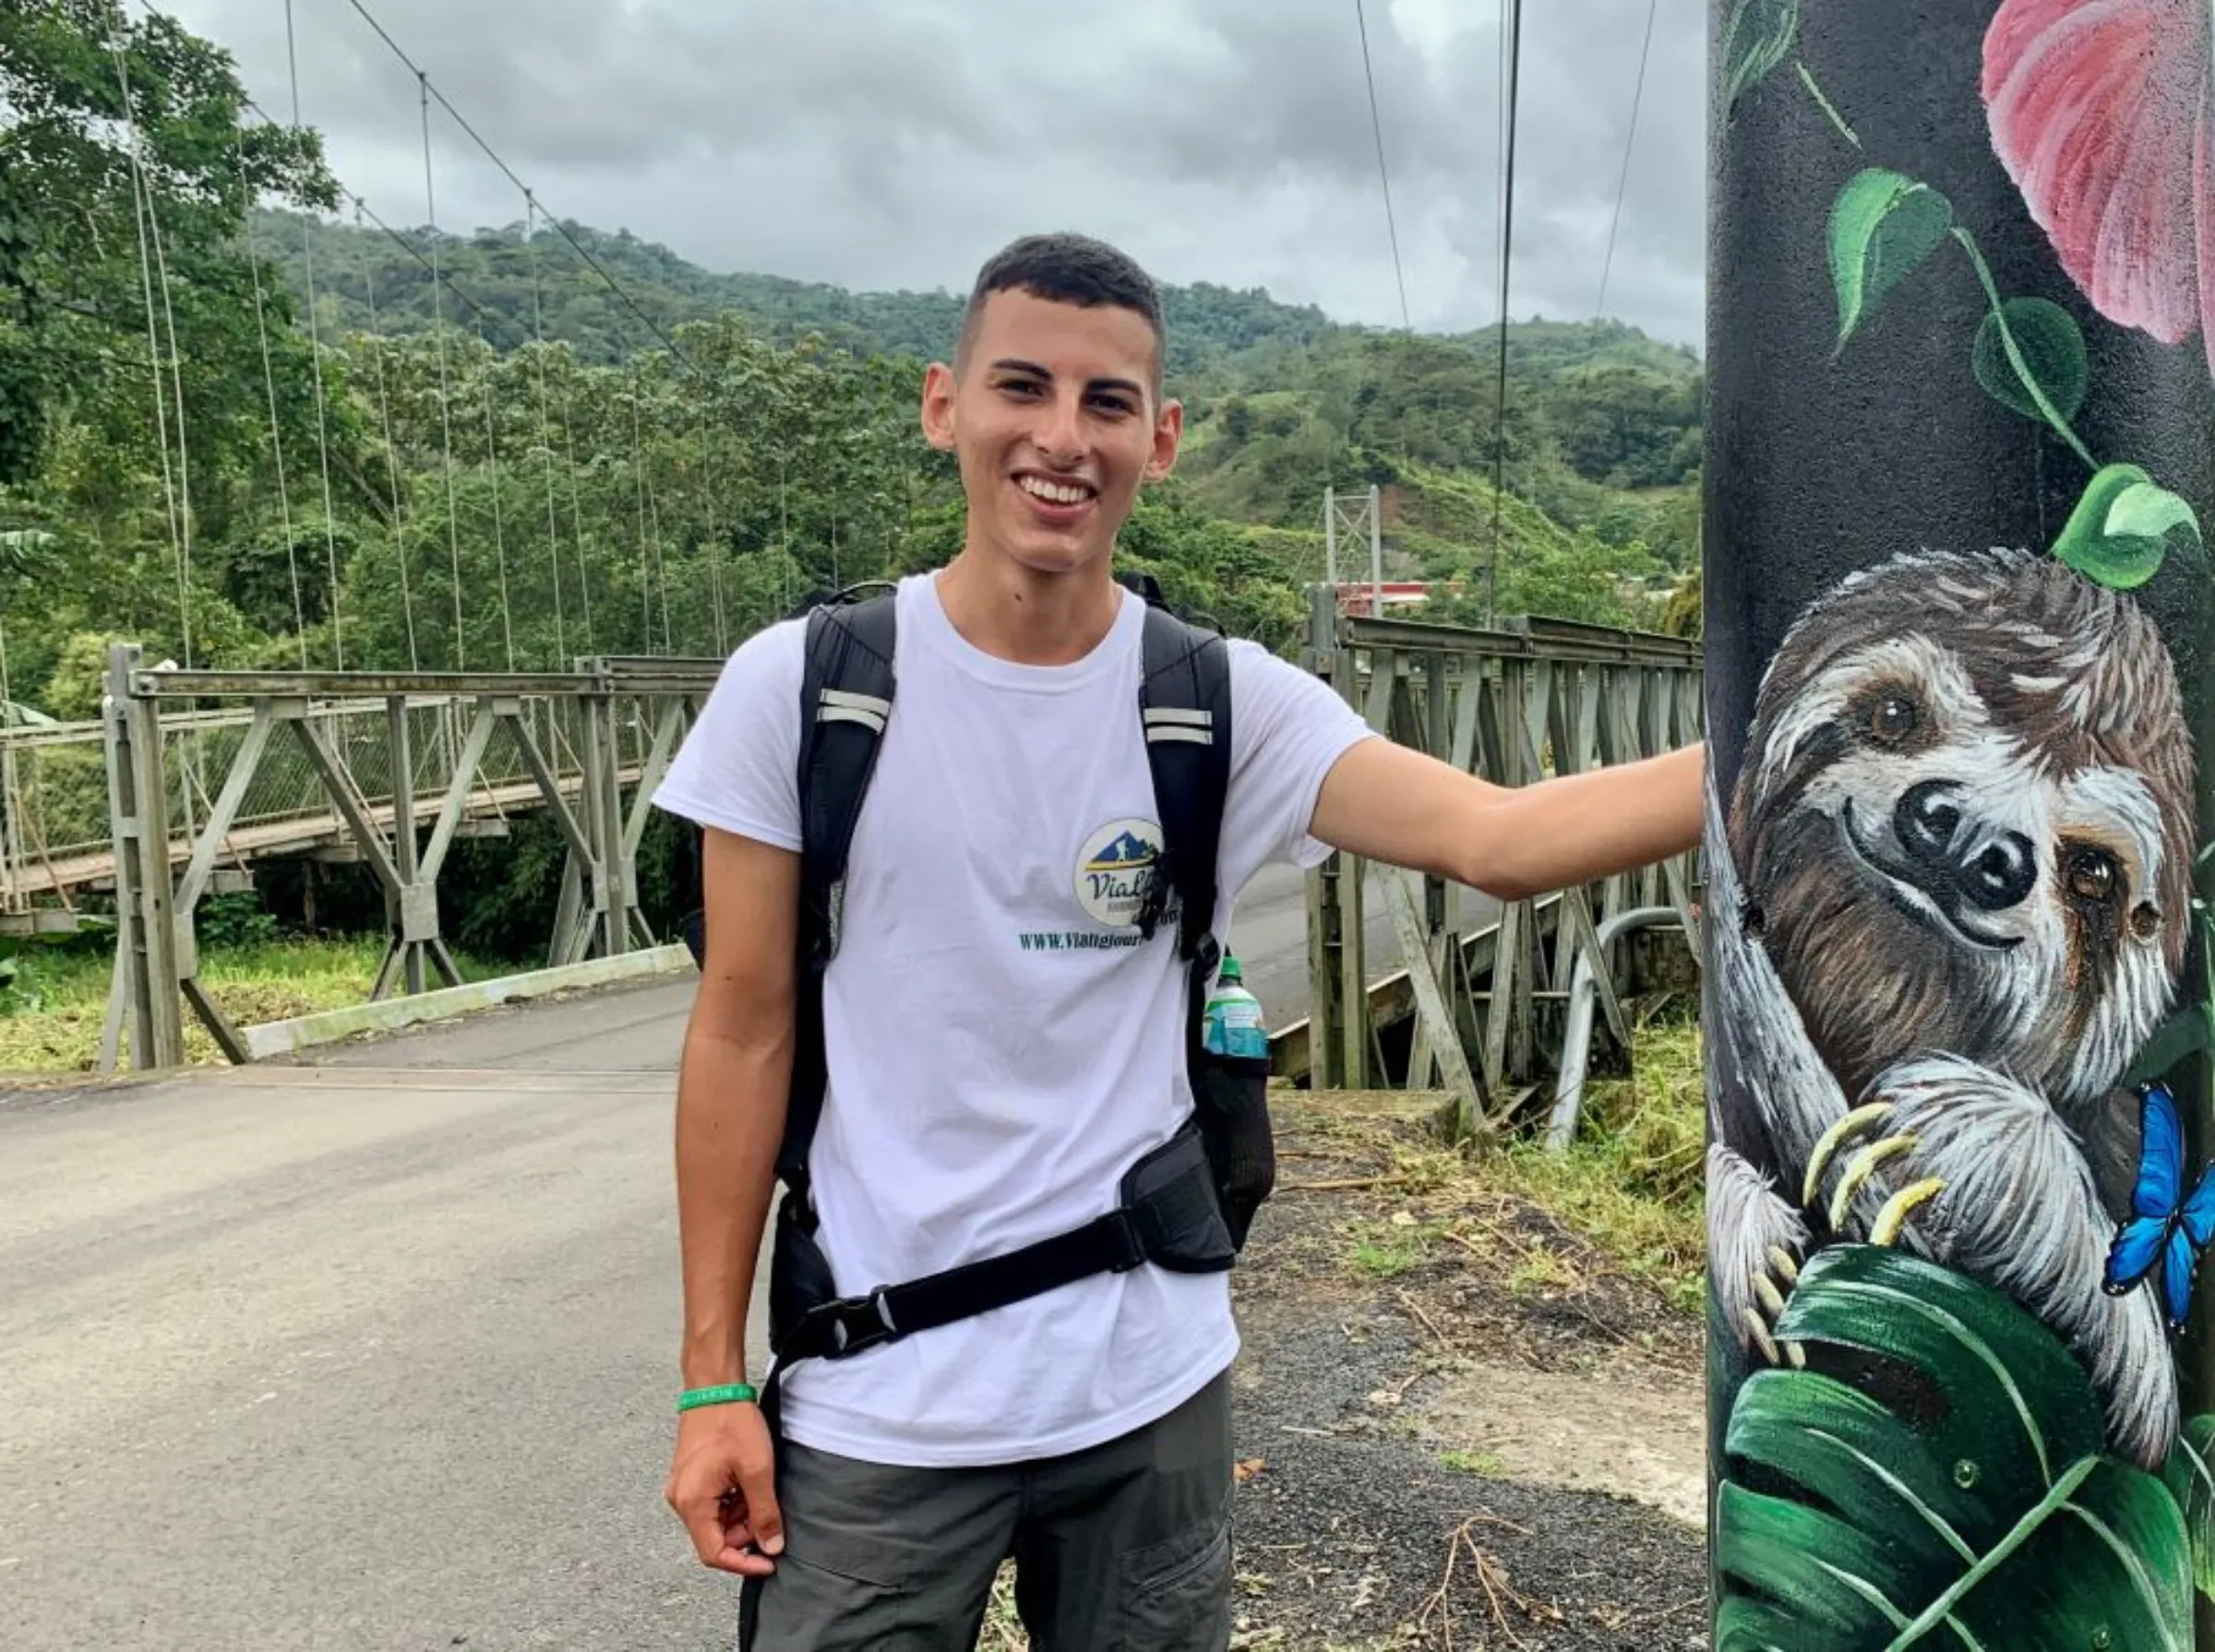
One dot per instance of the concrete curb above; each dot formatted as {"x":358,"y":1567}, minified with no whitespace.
{"x":327,"y":1026}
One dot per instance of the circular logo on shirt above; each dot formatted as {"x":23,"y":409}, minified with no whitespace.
{"x":1116,"y":869}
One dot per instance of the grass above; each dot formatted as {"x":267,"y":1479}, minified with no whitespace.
{"x":1633,"y":1181}
{"x":52,"y":1010}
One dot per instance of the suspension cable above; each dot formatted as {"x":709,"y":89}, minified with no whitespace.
{"x":638,"y":460}
{"x":494,"y":156}
{"x":492,"y":456}
{"x":584,"y":567}
{"x":268,"y":377}
{"x":546,"y":425}
{"x":315,"y":333}
{"x":453,"y":518}
{"x":707,"y":478}
{"x":384,"y":400}
{"x":1512,"y":50}
{"x":180,"y":526}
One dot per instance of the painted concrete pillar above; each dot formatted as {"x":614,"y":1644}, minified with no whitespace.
{"x":1958,"y":628}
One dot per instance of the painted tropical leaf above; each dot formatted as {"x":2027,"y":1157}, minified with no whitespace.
{"x":2123,"y":527}
{"x":1882,"y":226}
{"x":1758,"y":37}
{"x":2049,"y":346}
{"x":2190,"y":1474}
{"x":1936,"y":1478}
{"x":2184,"y":1034}
{"x":2100,"y":115}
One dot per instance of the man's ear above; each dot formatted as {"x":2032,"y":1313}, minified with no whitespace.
{"x":938,"y":406}
{"x":1169,"y":435}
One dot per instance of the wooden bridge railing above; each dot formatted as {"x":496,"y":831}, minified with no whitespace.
{"x":1533,"y":698}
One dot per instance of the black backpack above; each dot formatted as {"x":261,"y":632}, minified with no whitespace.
{"x":1189,"y":1206}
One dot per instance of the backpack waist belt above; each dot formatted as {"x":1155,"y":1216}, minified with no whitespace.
{"x":1168,"y":1216}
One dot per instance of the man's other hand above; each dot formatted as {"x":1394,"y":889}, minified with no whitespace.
{"x":723,"y":1485}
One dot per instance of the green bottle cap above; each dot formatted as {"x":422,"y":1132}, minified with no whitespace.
{"x":1229,"y":971}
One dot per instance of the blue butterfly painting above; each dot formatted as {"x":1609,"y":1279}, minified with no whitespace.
{"x":2167,"y":1227}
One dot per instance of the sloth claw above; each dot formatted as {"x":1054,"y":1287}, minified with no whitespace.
{"x":1893,"y":1214}
{"x":1818,"y":1161}
{"x":1769,"y":1302}
{"x":1763,"y":1340}
{"x":1861,"y":1167}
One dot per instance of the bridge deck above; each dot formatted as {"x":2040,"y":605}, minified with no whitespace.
{"x":299,"y":835}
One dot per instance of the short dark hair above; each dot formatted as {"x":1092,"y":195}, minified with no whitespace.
{"x":1069,"y":268}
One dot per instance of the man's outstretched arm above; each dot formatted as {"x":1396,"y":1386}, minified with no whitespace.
{"x":1389,"y":802}
{"x":730,"y":1119}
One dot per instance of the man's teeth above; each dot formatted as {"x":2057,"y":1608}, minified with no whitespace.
{"x":1053,"y":491}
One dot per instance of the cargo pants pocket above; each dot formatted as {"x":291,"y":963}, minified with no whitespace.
{"x":1177,"y":1594}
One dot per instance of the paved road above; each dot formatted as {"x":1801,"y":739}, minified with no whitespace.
{"x":370,"y":1353}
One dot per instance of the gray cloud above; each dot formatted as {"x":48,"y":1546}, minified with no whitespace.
{"x":890,"y":143}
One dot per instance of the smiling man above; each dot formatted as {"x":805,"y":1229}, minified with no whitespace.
{"x":993,"y":1078}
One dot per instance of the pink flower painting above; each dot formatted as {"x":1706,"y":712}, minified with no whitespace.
{"x":2100,"y":112}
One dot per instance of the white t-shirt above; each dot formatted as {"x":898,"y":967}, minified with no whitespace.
{"x":1002,"y":1046}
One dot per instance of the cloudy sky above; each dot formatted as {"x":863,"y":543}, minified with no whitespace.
{"x":896,"y":143}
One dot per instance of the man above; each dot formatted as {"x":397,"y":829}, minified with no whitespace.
{"x":986,"y":1091}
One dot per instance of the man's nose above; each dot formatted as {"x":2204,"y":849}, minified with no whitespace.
{"x":1061,"y":433}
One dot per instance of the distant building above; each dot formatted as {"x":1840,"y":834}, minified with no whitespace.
{"x":1355,"y":597}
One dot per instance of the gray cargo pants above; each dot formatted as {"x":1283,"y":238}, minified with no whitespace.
{"x":1123,"y":1548}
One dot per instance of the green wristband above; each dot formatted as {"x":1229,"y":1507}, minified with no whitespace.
{"x":729,"y":1392}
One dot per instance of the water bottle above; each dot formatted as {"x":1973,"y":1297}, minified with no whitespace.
{"x":1233,"y":1024}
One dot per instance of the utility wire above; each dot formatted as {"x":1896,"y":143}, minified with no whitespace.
{"x":1384,"y":173}
{"x":1621,"y":182}
{"x":1512,"y":49}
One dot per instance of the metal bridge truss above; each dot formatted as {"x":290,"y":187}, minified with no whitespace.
{"x":356,"y":766}
{"x":1513,"y":705}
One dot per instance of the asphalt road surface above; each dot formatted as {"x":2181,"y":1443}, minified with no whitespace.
{"x":375,"y":1352}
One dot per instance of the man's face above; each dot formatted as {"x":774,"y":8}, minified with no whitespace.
{"x":1054,"y":424}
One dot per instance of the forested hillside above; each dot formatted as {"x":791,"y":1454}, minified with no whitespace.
{"x":1603,"y":423}
{"x":543,"y":479}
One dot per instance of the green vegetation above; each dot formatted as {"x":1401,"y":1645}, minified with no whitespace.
{"x":53,"y":995}
{"x":196,"y":457}
{"x":1633,"y":1182}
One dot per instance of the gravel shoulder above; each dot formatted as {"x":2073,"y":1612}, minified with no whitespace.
{"x":1460,"y":1424}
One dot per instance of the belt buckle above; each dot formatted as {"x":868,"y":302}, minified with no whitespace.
{"x":857,"y":1324}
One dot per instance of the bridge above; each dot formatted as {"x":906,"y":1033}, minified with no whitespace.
{"x":250,"y":768}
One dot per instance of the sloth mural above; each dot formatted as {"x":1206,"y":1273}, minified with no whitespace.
{"x":1960,"y":1103}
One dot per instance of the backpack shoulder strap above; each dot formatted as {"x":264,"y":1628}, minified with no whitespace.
{"x":845,"y":700}
{"x":1184,"y":707}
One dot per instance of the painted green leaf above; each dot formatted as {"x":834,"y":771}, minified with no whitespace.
{"x":1882,"y":226}
{"x":2145,"y":512}
{"x":2123,"y":527}
{"x":2189,"y":1031}
{"x":2190,"y":1474}
{"x":1944,"y":1485}
{"x":2049,"y":345}
{"x":1758,"y":37}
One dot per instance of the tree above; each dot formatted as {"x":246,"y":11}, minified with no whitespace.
{"x":129,"y":134}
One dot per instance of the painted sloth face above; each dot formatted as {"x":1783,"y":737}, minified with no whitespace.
{"x":1966,"y":821}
